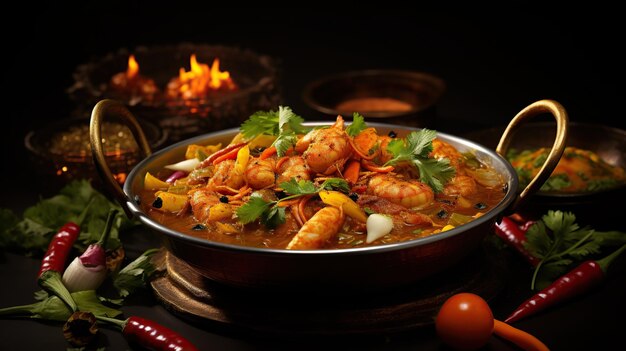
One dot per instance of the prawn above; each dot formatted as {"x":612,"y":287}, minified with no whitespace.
{"x":260,"y":173}
{"x":460,"y":185}
{"x":201,"y":201}
{"x":325,"y":150}
{"x":441,"y":149}
{"x":226,"y":174}
{"x":292,"y":167}
{"x":324,"y":224}
{"x":408,"y":193}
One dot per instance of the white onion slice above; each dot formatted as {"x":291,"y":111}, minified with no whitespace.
{"x":185,"y":166}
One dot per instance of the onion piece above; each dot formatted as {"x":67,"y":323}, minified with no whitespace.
{"x":175,"y":176}
{"x":185,"y":166}
{"x":485,"y":177}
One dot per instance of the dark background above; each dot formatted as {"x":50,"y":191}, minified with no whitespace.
{"x":493,"y":66}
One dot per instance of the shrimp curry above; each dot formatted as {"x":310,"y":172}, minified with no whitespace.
{"x":280,"y":184}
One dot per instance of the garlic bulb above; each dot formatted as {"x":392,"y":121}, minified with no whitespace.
{"x":378,"y":226}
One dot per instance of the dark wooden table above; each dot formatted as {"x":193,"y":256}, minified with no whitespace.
{"x":492,"y":67}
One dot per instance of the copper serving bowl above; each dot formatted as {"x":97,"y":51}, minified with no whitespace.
{"x":326,"y":271}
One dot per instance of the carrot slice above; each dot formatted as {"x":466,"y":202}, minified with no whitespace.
{"x":209,"y":160}
{"x":374,"y":168}
{"x":231,"y":155}
{"x":267,"y":152}
{"x":351,"y":173}
{"x":301,"y":205}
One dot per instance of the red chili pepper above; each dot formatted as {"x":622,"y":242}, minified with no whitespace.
{"x":209,"y":160}
{"x":151,"y":335}
{"x":59,"y":248}
{"x":53,"y":263}
{"x":515,"y":237}
{"x":577,"y":281}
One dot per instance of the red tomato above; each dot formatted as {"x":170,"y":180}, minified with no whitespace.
{"x":465,"y":322}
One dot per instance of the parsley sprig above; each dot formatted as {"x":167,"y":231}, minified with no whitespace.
{"x":284,"y":124}
{"x":414,"y":149}
{"x":560,"y":242}
{"x":270,"y":214}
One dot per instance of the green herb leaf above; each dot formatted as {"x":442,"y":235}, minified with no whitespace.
{"x":300,"y":187}
{"x":556,"y":182}
{"x":272,"y":123}
{"x":253,"y":209}
{"x":357,"y":125}
{"x":335,"y":184}
{"x":560,"y":242}
{"x":414,"y":150}
{"x":273,"y":217}
{"x":538,"y":242}
{"x":136,"y":274}
{"x":261,"y":122}
{"x":88,"y":301}
{"x":33,"y":233}
{"x":284,"y":142}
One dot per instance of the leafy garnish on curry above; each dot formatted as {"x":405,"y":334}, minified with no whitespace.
{"x":578,"y":170}
{"x":280,"y":184}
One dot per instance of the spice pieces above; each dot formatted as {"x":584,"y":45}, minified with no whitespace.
{"x":80,"y":329}
{"x":117,"y":139}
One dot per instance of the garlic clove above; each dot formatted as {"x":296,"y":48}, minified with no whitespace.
{"x":185,"y":166}
{"x":378,"y":226}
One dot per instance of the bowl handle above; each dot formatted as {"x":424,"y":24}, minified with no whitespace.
{"x":532,"y":110}
{"x":106,"y":108}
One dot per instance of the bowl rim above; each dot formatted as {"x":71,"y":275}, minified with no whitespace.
{"x":503,"y":205}
{"x":437,"y":82}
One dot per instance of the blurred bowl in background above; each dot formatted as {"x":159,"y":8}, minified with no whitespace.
{"x":608,"y":143}
{"x":62,"y":152}
{"x":392,"y":96}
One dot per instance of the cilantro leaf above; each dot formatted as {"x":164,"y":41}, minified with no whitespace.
{"x":284,"y":142}
{"x":538,"y":242}
{"x":253,"y":209}
{"x":261,"y":122}
{"x":335,"y":184}
{"x":415,"y":150}
{"x":357,"y":125}
{"x":560,"y":242}
{"x":273,"y":217}
{"x":270,"y":214}
{"x":300,"y":187}
{"x":272,"y":123}
{"x":136,"y":274}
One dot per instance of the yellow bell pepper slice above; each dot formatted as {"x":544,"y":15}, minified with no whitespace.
{"x":219,"y":212}
{"x":169,"y":202}
{"x":151,"y":182}
{"x":350,"y":208}
{"x":243,"y":155}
